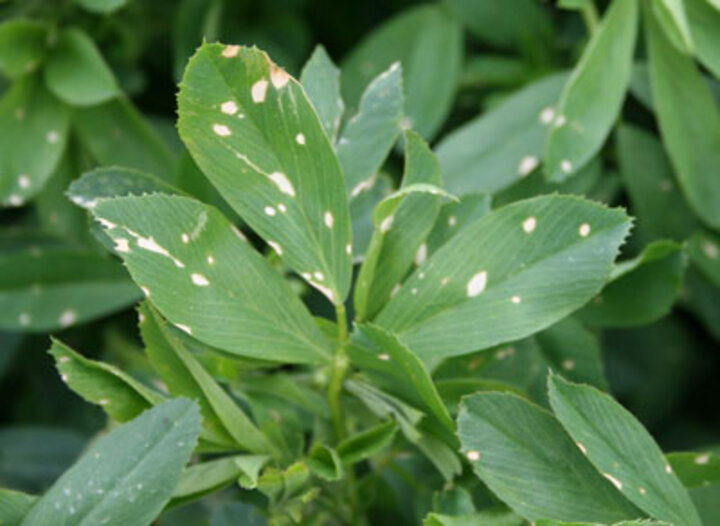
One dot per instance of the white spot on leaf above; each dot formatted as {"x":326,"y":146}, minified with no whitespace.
{"x":568,"y":365}
{"x":473,"y":456}
{"x":24,"y":319}
{"x":300,"y":139}
{"x":24,"y":181}
{"x":67,"y":318}
{"x":348,"y":249}
{"x":566,"y":166}
{"x":230,"y":107}
{"x":199,"y":280}
{"x":527,"y":165}
{"x":185,"y":238}
{"x":582,"y":448}
{"x":710,"y":249}
{"x":276,"y":247}
{"x":547,"y":115}
{"x":15,"y":200}
{"x":52,"y":137}
{"x":668,"y":469}
{"x":384,"y":357}
{"x":230,"y":51}
{"x":516,"y":299}
{"x":584,"y":230}
{"x":278,"y":76}
{"x":529,"y":224}
{"x":184,"y":328}
{"x":386,"y":223}
{"x":702,"y":459}
{"x":221,"y":130}
{"x":258,"y":91}
{"x":329,"y":219}
{"x":122,"y":245}
{"x":452,"y":221}
{"x":283,"y":183}
{"x":614,"y":481}
{"x":421,"y":255}
{"x":477,"y":284}
{"x":269,"y":210}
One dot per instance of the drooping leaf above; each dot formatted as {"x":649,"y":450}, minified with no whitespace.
{"x":641,"y":290}
{"x":368,"y":137}
{"x":507,"y":275}
{"x":127,"y":476}
{"x":120,"y":395}
{"x":185,"y":376}
{"x":48,"y":288}
{"x":34,"y":132}
{"x":689,"y":121}
{"x":622,"y":450}
{"x":14,"y":505}
{"x":650,"y":182}
{"x":705,"y":28}
{"x":116,"y":134}
{"x":258,"y":139}
{"x":402,"y":222}
{"x":594,"y":93}
{"x":427,"y":41}
{"x":321,"y":79}
{"x":208,"y":281}
{"x":525,"y":457}
{"x":76,"y":72}
{"x":23,"y":44}
{"x":505,"y":144}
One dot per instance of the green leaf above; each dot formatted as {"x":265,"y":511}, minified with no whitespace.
{"x":14,"y":506}
{"x":23,"y":44}
{"x":519,"y":24}
{"x":674,"y":21}
{"x":325,"y":462}
{"x":642,"y":290}
{"x":48,"y":288}
{"x":369,"y":136}
{"x":507,"y":275}
{"x":321,"y":79}
{"x":250,"y":465}
{"x":206,"y":477}
{"x":208,"y":281}
{"x":76,"y":72}
{"x":503,"y":145}
{"x":254,"y":133}
{"x":705,"y":28}
{"x":116,"y":134}
{"x":34,"y":131}
{"x":704,"y":251}
{"x":454,"y":216}
{"x":594,"y":94}
{"x":185,"y":376}
{"x":483,"y":518}
{"x":650,"y":183}
{"x":367,"y":443}
{"x":107,"y":182}
{"x":127,"y":476}
{"x":696,"y":470}
{"x":395,"y":368}
{"x":402,"y":222}
{"x":622,"y":450}
{"x":362,"y":206}
{"x":689,"y":123}
{"x":120,"y":395}
{"x":427,"y":41}
{"x":524,"y":456}
{"x":641,"y":522}
{"x":101,"y":6}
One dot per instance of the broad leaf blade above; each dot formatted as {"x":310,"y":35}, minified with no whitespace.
{"x":689,"y":122}
{"x":622,"y":450}
{"x":321,"y":80}
{"x":524,"y":456}
{"x":205,"y":279}
{"x":127,"y":476}
{"x":253,"y":132}
{"x":14,"y":506}
{"x":705,"y":28}
{"x":23,"y":45}
{"x":594,"y":94}
{"x":507,"y":275}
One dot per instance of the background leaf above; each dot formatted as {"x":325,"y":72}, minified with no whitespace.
{"x":23,"y":46}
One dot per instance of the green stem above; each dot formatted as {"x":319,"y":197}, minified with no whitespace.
{"x":590,"y":16}
{"x":337,"y":375}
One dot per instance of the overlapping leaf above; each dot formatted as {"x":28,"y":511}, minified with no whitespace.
{"x":507,"y":275}
{"x":254,"y":133}
{"x":321,"y":80}
{"x":23,"y":44}
{"x":208,"y":281}
{"x":594,"y":94}
{"x":704,"y":22}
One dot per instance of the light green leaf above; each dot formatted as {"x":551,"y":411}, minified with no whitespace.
{"x":107,"y":182}
{"x":507,"y":275}
{"x":208,"y":281}
{"x":705,"y":28}
{"x":101,"y":6}
{"x":250,"y":465}
{"x":48,"y":288}
{"x":427,"y":41}
{"x":369,"y":136}
{"x":206,"y":477}
{"x":503,"y":145}
{"x":321,"y":79}
{"x":650,"y":183}
{"x":23,"y":44}
{"x":14,"y":506}
{"x":524,"y":456}
{"x":325,"y":462}
{"x":524,"y":25}
{"x":185,"y":376}
{"x":696,"y":470}
{"x":395,"y":368}
{"x":674,"y":21}
{"x":454,"y":216}
{"x":116,"y":134}
{"x":642,"y":290}
{"x":127,"y":476}
{"x":120,"y":395}
{"x":689,"y":123}
{"x":367,"y":443}
{"x":76,"y":72}
{"x":622,"y":450}
{"x":704,"y":251}
{"x":34,"y":128}
{"x":594,"y":94}
{"x":253,"y":132}
{"x":402,"y":222}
